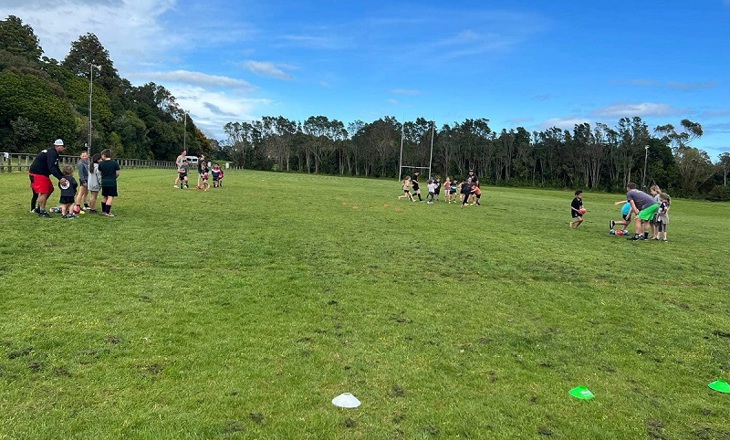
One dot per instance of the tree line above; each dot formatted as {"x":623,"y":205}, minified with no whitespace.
{"x":42,"y":99}
{"x":589,"y":156}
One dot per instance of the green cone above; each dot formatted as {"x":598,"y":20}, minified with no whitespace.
{"x":720,"y":386}
{"x":582,"y":393}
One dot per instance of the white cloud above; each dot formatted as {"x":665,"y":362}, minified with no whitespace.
{"x":128,"y":29}
{"x":211,"y":110}
{"x":267,"y":68}
{"x":627,"y":110}
{"x":198,"y":78}
{"x":567,"y":123}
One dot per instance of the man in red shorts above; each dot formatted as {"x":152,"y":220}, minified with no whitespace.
{"x":45,"y":164}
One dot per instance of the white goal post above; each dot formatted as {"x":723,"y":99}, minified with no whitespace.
{"x":430,"y":158}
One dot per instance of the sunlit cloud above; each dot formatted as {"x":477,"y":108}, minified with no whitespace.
{"x":200,"y":79}
{"x":267,"y":68}
{"x":567,"y":123}
{"x":211,"y":110}
{"x":628,"y":110}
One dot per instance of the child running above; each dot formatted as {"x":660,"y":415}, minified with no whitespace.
{"x":406,"y":189}
{"x":577,"y":210}
{"x":203,"y":175}
{"x":466,"y":188}
{"x":447,"y":189}
{"x":477,"y":193}
{"x":431,"y":191}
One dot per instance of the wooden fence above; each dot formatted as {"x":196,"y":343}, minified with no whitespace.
{"x":10,"y":162}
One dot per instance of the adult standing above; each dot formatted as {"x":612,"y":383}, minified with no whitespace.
{"x":201,"y":161}
{"x":473,"y":176}
{"x":44,"y":165}
{"x":83,"y":195}
{"x":645,"y":208}
{"x":178,"y":164}
{"x":109,"y":170}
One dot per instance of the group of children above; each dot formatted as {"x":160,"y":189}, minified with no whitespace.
{"x":465,"y":192}
{"x":204,"y":173}
{"x":100,"y":175}
{"x":655,"y":226}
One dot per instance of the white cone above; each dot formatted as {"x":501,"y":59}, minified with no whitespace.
{"x":346,"y":400}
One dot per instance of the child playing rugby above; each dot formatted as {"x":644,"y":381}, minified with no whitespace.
{"x":577,"y":210}
{"x":406,"y":189}
{"x":626,"y":214}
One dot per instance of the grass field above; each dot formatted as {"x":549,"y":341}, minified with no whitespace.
{"x":242,"y":312}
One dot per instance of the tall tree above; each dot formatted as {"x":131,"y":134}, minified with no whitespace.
{"x":19,"y":39}
{"x":695,"y":168}
{"x":88,"y":51}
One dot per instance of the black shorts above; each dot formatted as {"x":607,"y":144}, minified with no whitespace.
{"x":575,"y":214}
{"x":109,"y":191}
{"x":182,"y":176}
{"x":627,"y":217}
{"x":65,"y":200}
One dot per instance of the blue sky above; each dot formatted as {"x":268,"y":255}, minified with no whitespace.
{"x":523,"y":63}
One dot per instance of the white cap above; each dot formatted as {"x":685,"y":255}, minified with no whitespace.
{"x":58,"y":142}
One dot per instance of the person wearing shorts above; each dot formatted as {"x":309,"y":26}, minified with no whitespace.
{"x":44,"y":165}
{"x":109,"y":170}
{"x":575,"y":209}
{"x":645,"y":207}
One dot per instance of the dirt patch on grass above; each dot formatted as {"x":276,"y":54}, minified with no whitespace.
{"x":655,"y":429}
{"x":257,"y":418}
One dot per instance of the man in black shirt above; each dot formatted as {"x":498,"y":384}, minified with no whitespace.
{"x":45,"y":164}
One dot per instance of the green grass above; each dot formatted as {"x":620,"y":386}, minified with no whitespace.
{"x":241,"y":312}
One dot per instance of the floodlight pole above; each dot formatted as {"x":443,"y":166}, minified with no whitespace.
{"x":430,"y":159}
{"x":91,"y":92}
{"x":400,"y":162}
{"x":646,"y":156}
{"x":185,"y":133}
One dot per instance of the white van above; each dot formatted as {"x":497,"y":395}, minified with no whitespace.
{"x":192,"y":160}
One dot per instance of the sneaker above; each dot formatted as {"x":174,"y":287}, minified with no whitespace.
{"x":665,"y":240}
{"x":107,"y":214}
{"x":44,"y":214}
{"x":34,"y":211}
{"x":174,"y":186}
{"x":93,"y":211}
{"x":656,"y":238}
{"x":612,"y":223}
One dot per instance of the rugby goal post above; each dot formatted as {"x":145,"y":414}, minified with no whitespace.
{"x":430,"y":158}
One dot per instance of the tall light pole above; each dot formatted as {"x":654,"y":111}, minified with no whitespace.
{"x":646,"y":156}
{"x":92,"y":66}
{"x":185,"y":133}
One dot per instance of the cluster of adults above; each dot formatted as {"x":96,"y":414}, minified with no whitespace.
{"x":99,"y":176}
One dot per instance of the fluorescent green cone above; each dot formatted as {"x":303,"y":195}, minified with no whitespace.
{"x":720,"y":386}
{"x":582,"y":393}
